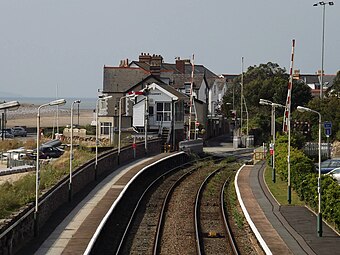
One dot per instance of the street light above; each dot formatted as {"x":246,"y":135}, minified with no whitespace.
{"x":5,"y":106}
{"x":71,"y":150}
{"x":319,"y":219}
{"x":323,"y":4}
{"x":273,"y":105}
{"x":101,"y":98}
{"x":120,"y":118}
{"x":37,"y":173}
{"x":8,"y":105}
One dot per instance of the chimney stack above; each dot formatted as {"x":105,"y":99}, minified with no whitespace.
{"x":124,"y":63}
{"x":180,"y":65}
{"x":145,"y":58}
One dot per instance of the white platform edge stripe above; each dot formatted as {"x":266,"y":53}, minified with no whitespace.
{"x":246,"y":214}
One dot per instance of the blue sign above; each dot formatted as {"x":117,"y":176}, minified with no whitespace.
{"x":327,"y":124}
{"x":328,"y":128}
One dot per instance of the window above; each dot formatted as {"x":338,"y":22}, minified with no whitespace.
{"x":163,"y":111}
{"x":187,"y":87}
{"x":151,"y":113}
{"x":105,"y":128}
{"x":179,"y":111}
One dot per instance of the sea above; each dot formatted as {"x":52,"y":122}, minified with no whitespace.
{"x":85,"y":104}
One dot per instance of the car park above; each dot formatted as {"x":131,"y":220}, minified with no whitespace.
{"x":335,"y":173}
{"x":328,"y":165}
{"x":19,"y":131}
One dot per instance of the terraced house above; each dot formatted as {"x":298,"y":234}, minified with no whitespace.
{"x":169,"y":79}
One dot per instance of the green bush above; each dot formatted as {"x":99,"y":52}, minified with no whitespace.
{"x":22,"y":192}
{"x":304,"y":180}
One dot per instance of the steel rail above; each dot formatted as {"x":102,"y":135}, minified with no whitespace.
{"x":225,"y":220}
{"x":133,"y":215}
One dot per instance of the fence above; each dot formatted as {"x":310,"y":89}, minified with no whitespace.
{"x":312,"y":149}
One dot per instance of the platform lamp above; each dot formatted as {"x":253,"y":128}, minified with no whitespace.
{"x":319,"y":218}
{"x":71,"y":148}
{"x":273,"y":105}
{"x":37,"y":173}
{"x":323,"y":5}
{"x":5,"y":106}
{"x":101,"y":98}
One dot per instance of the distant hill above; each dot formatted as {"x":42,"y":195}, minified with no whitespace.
{"x":4,"y":94}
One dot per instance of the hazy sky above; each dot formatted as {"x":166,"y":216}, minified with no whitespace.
{"x":46,"y":44}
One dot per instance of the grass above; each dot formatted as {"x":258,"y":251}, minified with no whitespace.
{"x":232,"y":198}
{"x":279,"y":189}
{"x":21,"y":192}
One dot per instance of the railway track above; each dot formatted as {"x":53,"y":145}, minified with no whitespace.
{"x":161,"y":219}
{"x":150,"y":229}
{"x":213,"y":233}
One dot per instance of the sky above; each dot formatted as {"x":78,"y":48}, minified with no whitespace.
{"x":58,"y":48}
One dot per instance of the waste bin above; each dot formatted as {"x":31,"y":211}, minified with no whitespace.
{"x":250,"y":141}
{"x":236,"y":142}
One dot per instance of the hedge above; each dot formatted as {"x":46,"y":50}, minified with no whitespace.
{"x":304,"y":179}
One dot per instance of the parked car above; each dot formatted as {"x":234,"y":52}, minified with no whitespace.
{"x":46,"y":152}
{"x":19,"y":131}
{"x":328,"y":165}
{"x":6,"y":134}
{"x":335,"y":173}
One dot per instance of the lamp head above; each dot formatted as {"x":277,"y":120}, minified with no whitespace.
{"x":77,"y":101}
{"x":104,"y":98}
{"x":303,"y":109}
{"x":57,"y":102}
{"x":8,"y":105}
{"x":265,"y":102}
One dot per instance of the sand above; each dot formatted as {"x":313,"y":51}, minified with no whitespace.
{"x":26,"y":115}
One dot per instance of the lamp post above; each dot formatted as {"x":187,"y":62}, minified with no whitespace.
{"x":273,"y":105}
{"x":37,"y":173}
{"x":5,"y":106}
{"x":323,"y":4}
{"x":71,"y":149}
{"x":101,"y":98}
{"x":319,"y":218}
{"x":120,"y":117}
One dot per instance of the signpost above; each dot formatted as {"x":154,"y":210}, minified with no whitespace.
{"x":328,"y":128}
{"x":328,"y":132}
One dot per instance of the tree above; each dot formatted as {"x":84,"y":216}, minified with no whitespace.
{"x":335,"y":89}
{"x":267,"y":81}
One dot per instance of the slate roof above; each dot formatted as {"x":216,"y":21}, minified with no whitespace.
{"x":124,"y":78}
{"x":315,"y":79}
{"x":169,"y":70}
{"x":118,"y":79}
{"x":176,"y":93}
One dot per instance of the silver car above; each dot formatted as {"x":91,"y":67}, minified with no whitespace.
{"x":335,"y":173}
{"x":5,"y":134}
{"x":19,"y":131}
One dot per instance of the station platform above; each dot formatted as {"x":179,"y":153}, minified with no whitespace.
{"x":283,"y":229}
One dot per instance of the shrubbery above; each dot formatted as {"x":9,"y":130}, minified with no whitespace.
{"x":304,"y":180}
{"x":22,"y":192}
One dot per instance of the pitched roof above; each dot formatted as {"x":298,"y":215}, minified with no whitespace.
{"x":173,"y":91}
{"x":315,"y":79}
{"x":118,"y":79}
{"x":169,"y":70}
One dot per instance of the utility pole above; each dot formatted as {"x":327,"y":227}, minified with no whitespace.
{"x":191,"y":97}
{"x":241,"y":113}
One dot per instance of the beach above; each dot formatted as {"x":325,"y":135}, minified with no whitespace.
{"x":26,"y":115}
